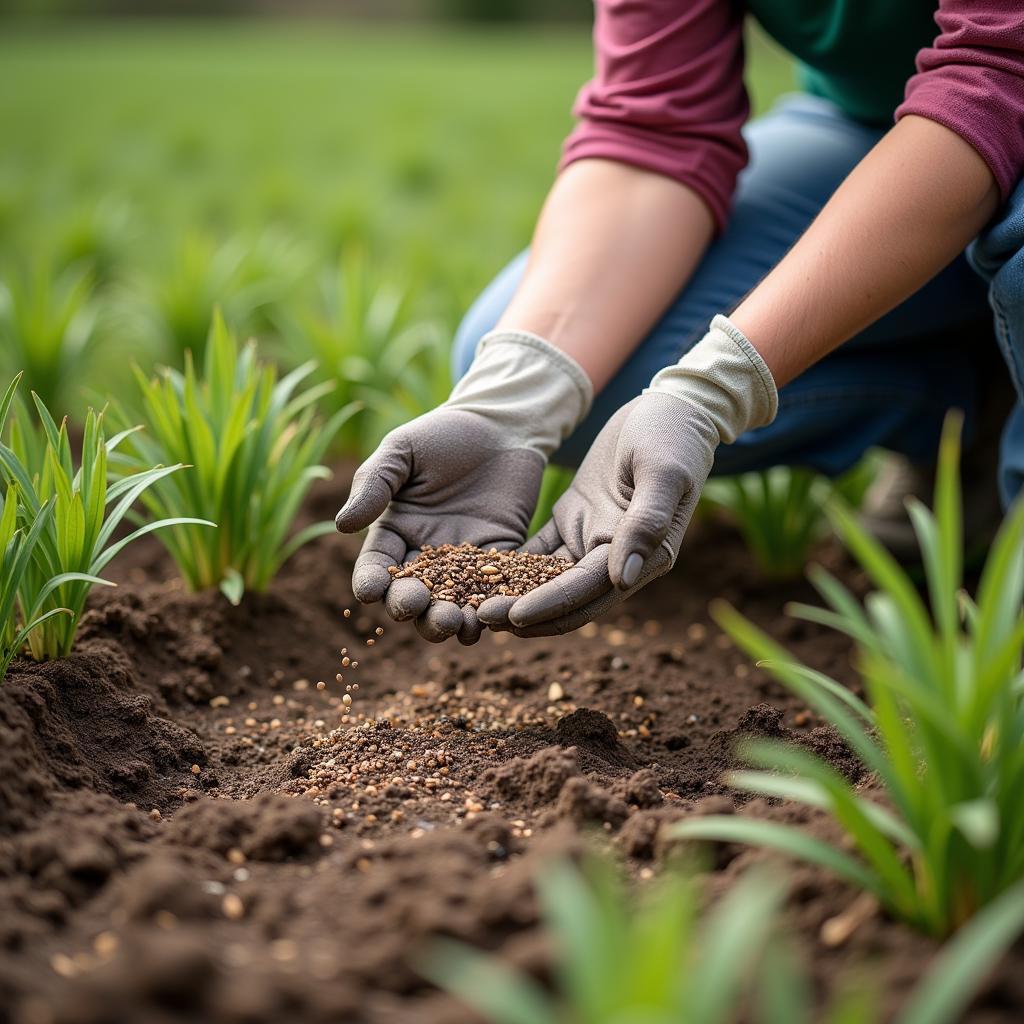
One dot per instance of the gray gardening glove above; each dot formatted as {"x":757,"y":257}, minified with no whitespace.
{"x":622,"y":521}
{"x":470,"y":471}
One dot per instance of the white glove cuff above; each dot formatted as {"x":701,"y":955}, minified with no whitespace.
{"x":537,"y":393}
{"x":725,"y":377}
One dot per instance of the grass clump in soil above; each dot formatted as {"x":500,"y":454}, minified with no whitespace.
{"x":468,"y":575}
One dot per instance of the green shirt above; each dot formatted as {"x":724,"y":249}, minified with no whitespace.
{"x":831,"y":40}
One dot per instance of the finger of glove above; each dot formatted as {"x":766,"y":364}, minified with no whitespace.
{"x":370,"y":577}
{"x":644,"y":525}
{"x":375,"y":483}
{"x":573,"y":589}
{"x":545,"y":541}
{"x":470,"y":630}
{"x":494,"y":611}
{"x":406,"y":599}
{"x":443,"y":619}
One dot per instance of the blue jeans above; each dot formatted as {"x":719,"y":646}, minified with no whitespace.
{"x":890,"y":386}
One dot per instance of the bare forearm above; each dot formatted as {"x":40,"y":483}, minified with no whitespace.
{"x":903,"y":214}
{"x":613,"y":246}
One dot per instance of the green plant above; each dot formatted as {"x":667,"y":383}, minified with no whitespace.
{"x":366,"y":341}
{"x":942,"y":728}
{"x":659,"y":962}
{"x":254,"y":445}
{"x":58,"y":524}
{"x":781,"y":511}
{"x":662,"y":960}
{"x":48,"y":329}
{"x":205,"y":275}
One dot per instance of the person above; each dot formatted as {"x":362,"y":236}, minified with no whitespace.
{"x":701,"y":293}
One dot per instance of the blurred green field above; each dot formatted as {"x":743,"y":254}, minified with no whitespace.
{"x":175,"y":165}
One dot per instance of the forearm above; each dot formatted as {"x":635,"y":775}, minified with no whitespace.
{"x":613,"y":247}
{"x":905,"y":212}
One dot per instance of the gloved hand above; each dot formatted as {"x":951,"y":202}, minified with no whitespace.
{"x":623,"y":518}
{"x":469,"y":471}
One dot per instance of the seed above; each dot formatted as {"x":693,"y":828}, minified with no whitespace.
{"x":347,"y":613}
{"x":490,"y":570}
{"x":155,"y":814}
{"x":321,"y":685}
{"x":555,"y":692}
{"x":105,"y":943}
{"x":63,"y":965}
{"x":355,"y":686}
{"x":355,"y":664}
{"x":379,"y":631}
{"x":344,"y":650}
{"x":196,"y":769}
{"x":370,"y":642}
{"x":235,"y":855}
{"x":345,"y":662}
{"x":232,"y":906}
{"x":347,"y":699}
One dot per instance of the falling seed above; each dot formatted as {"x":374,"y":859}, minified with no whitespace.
{"x":235,"y":855}
{"x":321,"y":685}
{"x":370,"y":642}
{"x":339,"y":678}
{"x":232,"y":906}
{"x":105,"y":944}
{"x":347,"y":699}
{"x":344,"y":650}
{"x":355,"y":664}
{"x":345,"y":662}
{"x":379,"y":631}
{"x":555,"y":692}
{"x":355,"y":686}
{"x":347,"y":613}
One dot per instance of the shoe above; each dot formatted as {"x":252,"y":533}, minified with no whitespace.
{"x":884,"y":513}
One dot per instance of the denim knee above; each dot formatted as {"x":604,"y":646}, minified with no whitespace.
{"x":998,"y":255}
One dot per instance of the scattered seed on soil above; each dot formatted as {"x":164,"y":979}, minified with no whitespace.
{"x":233,"y":906}
{"x":196,"y":769}
{"x":468,"y":575}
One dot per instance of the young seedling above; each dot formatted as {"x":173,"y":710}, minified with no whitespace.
{"x":255,"y":446}
{"x":364,"y":337}
{"x":48,"y":329}
{"x":662,"y":959}
{"x":658,"y":961}
{"x":781,"y":512}
{"x":942,"y":727}
{"x":58,"y":524}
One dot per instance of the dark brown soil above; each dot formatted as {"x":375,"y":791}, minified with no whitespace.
{"x":191,"y":831}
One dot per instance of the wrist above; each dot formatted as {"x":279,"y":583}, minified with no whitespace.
{"x":723,"y":375}
{"x":534,"y":391}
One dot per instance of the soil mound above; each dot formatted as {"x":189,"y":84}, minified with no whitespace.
{"x":81,"y":724}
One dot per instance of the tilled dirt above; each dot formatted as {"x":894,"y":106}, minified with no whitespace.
{"x":191,"y":831}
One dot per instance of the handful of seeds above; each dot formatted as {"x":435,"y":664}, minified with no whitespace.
{"x":468,"y":575}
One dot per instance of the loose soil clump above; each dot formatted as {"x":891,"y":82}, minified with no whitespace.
{"x":468,"y":575}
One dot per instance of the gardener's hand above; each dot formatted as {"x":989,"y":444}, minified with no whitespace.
{"x":623,"y":519}
{"x":469,"y":471}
